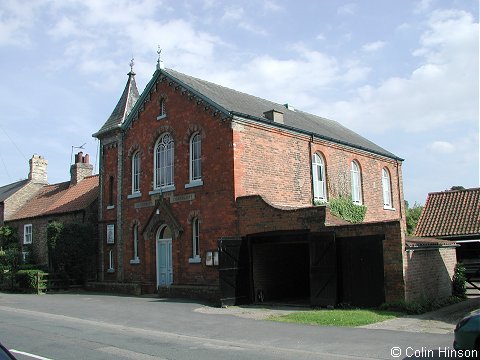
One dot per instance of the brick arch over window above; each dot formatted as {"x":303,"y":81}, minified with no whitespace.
{"x":192,"y":215}
{"x":158,"y":133}
{"x":133,"y":149}
{"x":133,"y":223}
{"x":193,"y":129}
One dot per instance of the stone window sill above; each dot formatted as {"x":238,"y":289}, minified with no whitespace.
{"x":110,"y":207}
{"x":110,"y":271}
{"x":388,"y":208}
{"x":134,"y":195}
{"x":160,"y":117}
{"x":135,"y":261}
{"x":194,"y":183}
{"x":195,"y":260}
{"x":162,"y":190}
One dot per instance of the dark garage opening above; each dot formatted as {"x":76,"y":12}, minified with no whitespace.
{"x":280,"y":272}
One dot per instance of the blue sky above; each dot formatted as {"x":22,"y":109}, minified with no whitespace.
{"x":404,"y":74}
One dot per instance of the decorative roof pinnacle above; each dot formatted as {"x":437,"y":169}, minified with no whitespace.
{"x":132,"y":63}
{"x":160,"y":64}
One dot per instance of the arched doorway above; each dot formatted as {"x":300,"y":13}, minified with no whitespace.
{"x":164,"y":256}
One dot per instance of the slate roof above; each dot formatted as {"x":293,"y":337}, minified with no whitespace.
{"x":60,"y":198}
{"x":450,"y":213}
{"x":125,"y":104}
{"x":8,"y":190}
{"x":235,"y":103}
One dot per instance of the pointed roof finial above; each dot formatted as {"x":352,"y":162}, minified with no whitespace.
{"x":159,"y":61}
{"x":132,"y":63}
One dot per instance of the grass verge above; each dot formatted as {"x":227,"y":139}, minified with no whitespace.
{"x":338,"y":317}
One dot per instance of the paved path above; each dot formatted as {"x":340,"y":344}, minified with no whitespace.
{"x":442,"y":321}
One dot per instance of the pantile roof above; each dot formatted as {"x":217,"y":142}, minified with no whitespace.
{"x":232,"y":103}
{"x":60,"y":198}
{"x":450,"y":213}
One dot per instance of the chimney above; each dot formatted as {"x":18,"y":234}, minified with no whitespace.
{"x":81,"y":169}
{"x":38,"y":169}
{"x":274,"y":115}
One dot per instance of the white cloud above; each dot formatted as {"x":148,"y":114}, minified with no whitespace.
{"x":422,"y":6}
{"x":442,"y":147}
{"x":373,"y":46}
{"x":347,"y":9}
{"x":441,"y":91}
{"x":17,"y":18}
{"x":270,"y":5}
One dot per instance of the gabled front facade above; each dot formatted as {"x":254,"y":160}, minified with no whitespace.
{"x":179,"y":166}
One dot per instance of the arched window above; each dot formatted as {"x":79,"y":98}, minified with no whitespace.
{"x":195,"y":241}
{"x":356,"y":183}
{"x":195,"y":158}
{"x":163,"y":174}
{"x":387,"y":190}
{"x":136,"y":173}
{"x":319,"y":178}
{"x":135,"y":243}
{"x":110,"y":191}
{"x":163,"y":111}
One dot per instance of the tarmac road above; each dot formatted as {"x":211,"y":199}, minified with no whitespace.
{"x":97,"y":326}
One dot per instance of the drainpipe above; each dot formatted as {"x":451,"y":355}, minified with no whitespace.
{"x":119,"y":230}
{"x":310,"y":141}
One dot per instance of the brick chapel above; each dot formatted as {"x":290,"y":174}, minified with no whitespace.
{"x":210,"y":192}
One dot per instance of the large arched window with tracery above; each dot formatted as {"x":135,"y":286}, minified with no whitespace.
{"x":164,"y":158}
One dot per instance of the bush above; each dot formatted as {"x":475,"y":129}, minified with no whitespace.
{"x":344,"y":208}
{"x":27,"y":280}
{"x":459,"y":286}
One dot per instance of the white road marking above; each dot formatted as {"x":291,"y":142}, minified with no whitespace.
{"x":29,"y":355}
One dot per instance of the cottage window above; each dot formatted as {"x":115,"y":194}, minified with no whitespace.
{"x":318,"y":177}
{"x":195,"y":241}
{"x":163,"y":174}
{"x":356,"y":183}
{"x":27,"y":233}
{"x":195,"y":158}
{"x":136,"y":173}
{"x":387,"y":190}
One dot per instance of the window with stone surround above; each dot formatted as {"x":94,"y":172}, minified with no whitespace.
{"x":195,"y":160}
{"x":163,"y":166}
{"x":136,"y":173}
{"x":195,"y":241}
{"x":319,"y":178}
{"x":387,"y":189}
{"x":356,"y":179}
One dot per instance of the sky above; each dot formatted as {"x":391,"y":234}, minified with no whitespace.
{"x":403,"y":74}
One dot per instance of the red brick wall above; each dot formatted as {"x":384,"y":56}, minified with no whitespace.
{"x":253,"y":208}
{"x":213,"y":201}
{"x":276,"y":165}
{"x":429,"y":273}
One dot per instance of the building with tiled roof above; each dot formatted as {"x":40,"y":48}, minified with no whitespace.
{"x":190,"y":169}
{"x":453,"y":215}
{"x":15,"y":195}
{"x":73,"y":201}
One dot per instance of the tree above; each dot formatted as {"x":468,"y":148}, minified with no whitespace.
{"x":412,"y":214}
